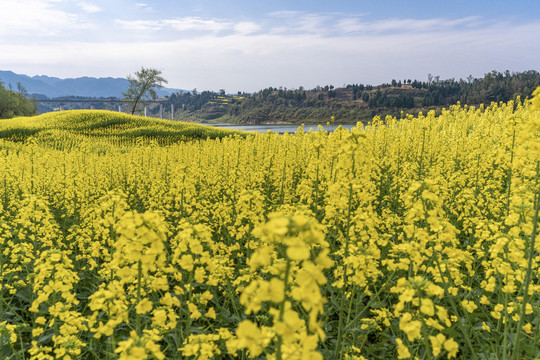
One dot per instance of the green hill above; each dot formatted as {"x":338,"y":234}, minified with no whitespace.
{"x":57,"y":127}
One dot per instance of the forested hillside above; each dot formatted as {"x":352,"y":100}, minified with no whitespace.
{"x":354,"y":102}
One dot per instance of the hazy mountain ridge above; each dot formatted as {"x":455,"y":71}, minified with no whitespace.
{"x":84,"y":86}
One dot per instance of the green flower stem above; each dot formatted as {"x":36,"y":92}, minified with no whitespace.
{"x":454,"y":308}
{"x":337,"y":351}
{"x":279,"y":355}
{"x":509,"y":182}
{"x":137,"y":316}
{"x":371,"y":300}
{"x":517,"y":341}
{"x":505,"y":327}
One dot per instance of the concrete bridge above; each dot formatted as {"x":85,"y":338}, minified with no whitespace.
{"x":122,"y":104}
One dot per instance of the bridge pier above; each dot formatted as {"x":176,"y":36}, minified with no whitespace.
{"x":61,"y":105}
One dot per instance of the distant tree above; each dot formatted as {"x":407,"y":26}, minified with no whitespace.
{"x":222,"y":92}
{"x":21,"y":90}
{"x":365,"y":97}
{"x":15,"y":103}
{"x":142,"y":86}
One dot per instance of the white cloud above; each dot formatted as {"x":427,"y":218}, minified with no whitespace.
{"x":190,"y":23}
{"x":198,"y":24}
{"x":246,"y":27}
{"x":286,"y":13}
{"x":37,"y":17}
{"x":338,"y":23}
{"x":251,"y":62}
{"x":140,"y":25}
{"x":90,"y":8}
{"x":285,"y":49}
{"x":144,"y":7}
{"x":349,"y":25}
{"x":299,"y":22}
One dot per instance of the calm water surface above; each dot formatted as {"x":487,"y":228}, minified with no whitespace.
{"x":280,"y":129}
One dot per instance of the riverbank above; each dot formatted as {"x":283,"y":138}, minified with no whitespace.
{"x":281,"y":128}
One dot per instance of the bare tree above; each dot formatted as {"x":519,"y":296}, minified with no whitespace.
{"x":142,"y":86}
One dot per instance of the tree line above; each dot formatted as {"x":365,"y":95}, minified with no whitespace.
{"x":354,"y":102}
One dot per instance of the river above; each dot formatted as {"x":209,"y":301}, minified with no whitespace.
{"x":280,"y":129}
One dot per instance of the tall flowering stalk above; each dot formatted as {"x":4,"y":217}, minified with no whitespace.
{"x":290,"y":260}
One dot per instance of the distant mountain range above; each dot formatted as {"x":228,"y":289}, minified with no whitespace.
{"x":51,"y":87}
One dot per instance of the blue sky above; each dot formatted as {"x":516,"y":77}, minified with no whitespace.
{"x":249,"y":45}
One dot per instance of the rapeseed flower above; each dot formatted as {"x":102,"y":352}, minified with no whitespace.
{"x":403,"y":351}
{"x":270,"y":244}
{"x":452,"y":347}
{"x":437,"y":343}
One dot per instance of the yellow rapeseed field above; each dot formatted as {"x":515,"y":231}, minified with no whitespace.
{"x":129,"y":238}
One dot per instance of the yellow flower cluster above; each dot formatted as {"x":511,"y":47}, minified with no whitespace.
{"x":409,"y":238}
{"x":286,"y":256}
